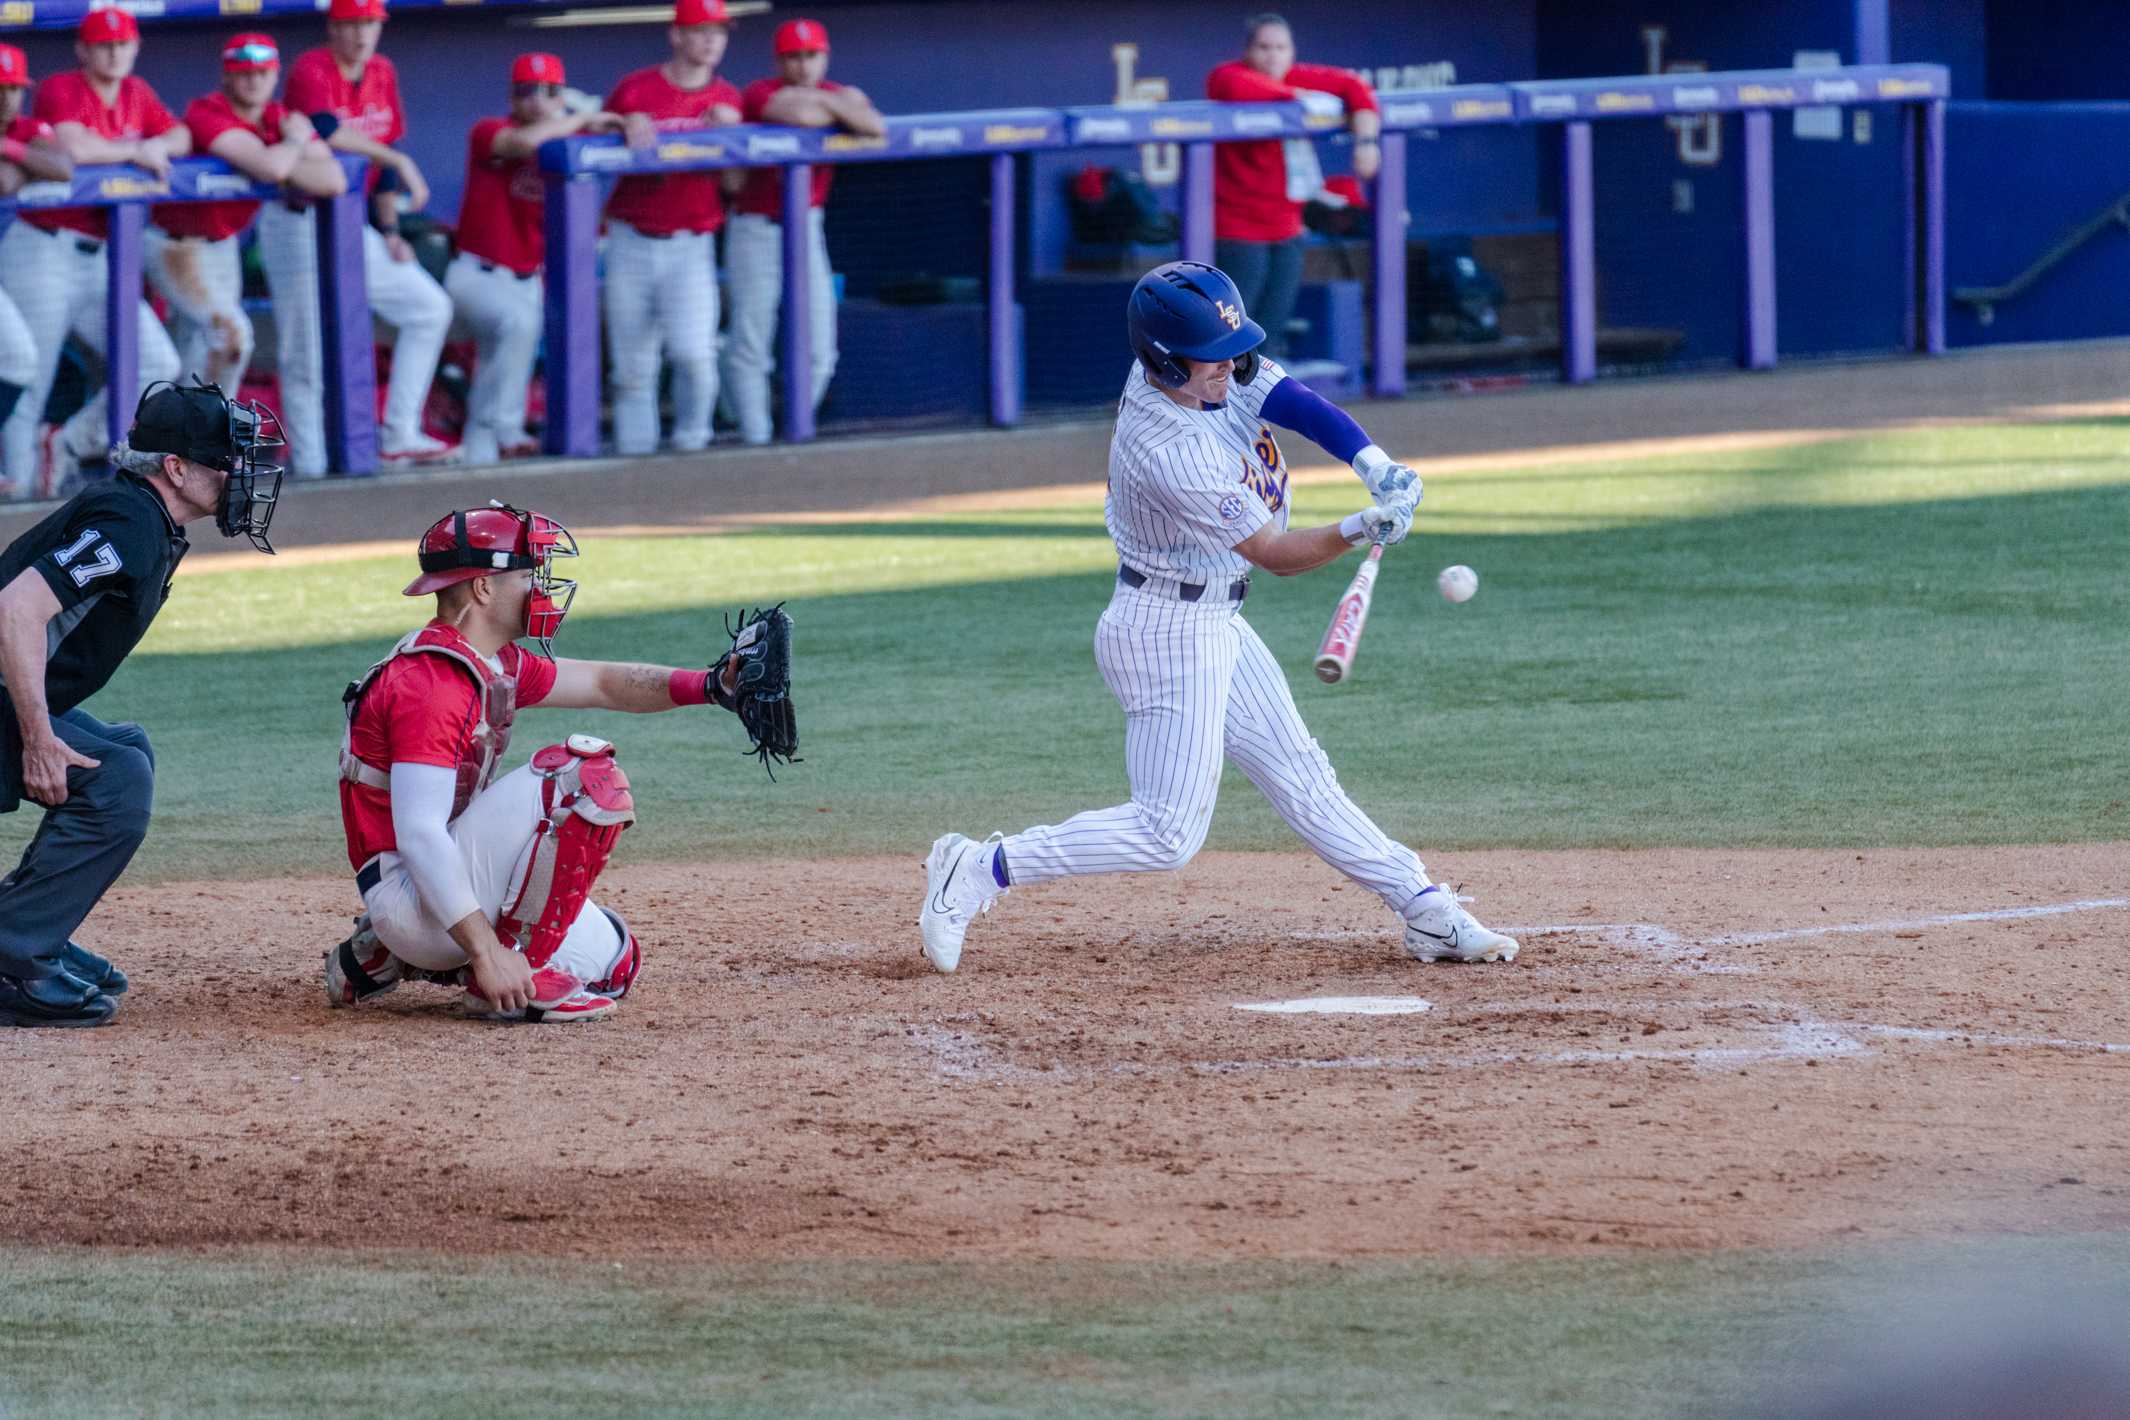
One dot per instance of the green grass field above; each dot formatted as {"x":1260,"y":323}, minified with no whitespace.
{"x":1905,"y":639}
{"x":1913,"y":639}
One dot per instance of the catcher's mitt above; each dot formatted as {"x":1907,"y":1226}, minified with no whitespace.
{"x":761,"y":693}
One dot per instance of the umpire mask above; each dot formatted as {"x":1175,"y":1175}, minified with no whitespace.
{"x":200,"y":423}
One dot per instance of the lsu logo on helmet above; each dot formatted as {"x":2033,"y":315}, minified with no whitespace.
{"x":1230,"y":314}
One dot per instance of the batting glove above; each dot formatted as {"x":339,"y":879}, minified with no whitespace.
{"x":1383,"y":476}
{"x":1388,"y":526}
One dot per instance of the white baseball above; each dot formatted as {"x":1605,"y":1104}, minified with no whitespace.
{"x":1457,"y":584}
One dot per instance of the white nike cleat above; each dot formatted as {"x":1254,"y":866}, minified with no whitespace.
{"x":959,"y":889}
{"x":1437,"y":928}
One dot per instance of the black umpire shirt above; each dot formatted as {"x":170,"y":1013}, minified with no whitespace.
{"x":108,"y":555}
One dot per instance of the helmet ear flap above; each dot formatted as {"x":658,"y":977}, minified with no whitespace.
{"x":1165,"y":369}
{"x":1246,"y":366}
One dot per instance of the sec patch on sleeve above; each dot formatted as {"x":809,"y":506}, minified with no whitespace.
{"x":1231,"y":509}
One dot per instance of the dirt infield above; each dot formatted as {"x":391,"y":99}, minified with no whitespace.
{"x":1697,"y":1049}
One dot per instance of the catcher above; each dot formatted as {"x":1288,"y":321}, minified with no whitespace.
{"x":483,"y":882}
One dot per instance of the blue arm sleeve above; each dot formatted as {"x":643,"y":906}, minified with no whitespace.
{"x":1293,"y":405}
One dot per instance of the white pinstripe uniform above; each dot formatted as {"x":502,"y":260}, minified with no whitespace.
{"x":1196,"y":683}
{"x":754,"y":272}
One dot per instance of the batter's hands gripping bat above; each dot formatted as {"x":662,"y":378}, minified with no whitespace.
{"x":1334,"y":657}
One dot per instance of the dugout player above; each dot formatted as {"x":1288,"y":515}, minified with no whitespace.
{"x":494,"y":281}
{"x":52,"y":261}
{"x":800,"y":95}
{"x":483,"y":881}
{"x":660,"y":289}
{"x":1197,"y":498}
{"x":1259,"y":187}
{"x":191,"y":255}
{"x":77,"y":592}
{"x":351,"y":94}
{"x":28,"y":153}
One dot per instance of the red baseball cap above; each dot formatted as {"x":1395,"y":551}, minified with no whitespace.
{"x":700,"y":12}
{"x":536,"y":69}
{"x":109,"y":25}
{"x":250,"y":53}
{"x":14,"y":67}
{"x":343,"y":10}
{"x":800,"y":36}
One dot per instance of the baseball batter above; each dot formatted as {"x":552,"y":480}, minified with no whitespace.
{"x":28,"y":152}
{"x":494,"y":281}
{"x":350,"y":93}
{"x":660,"y":286}
{"x":52,"y":262}
{"x":484,"y":881}
{"x":1197,"y":498}
{"x":801,"y":95}
{"x":192,"y":256}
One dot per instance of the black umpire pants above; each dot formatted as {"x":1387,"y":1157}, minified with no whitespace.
{"x":81,"y":847}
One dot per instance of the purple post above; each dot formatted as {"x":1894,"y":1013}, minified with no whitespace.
{"x":1578,"y":256}
{"x":350,"y":360}
{"x":1198,"y":202}
{"x":798,"y":361}
{"x":122,"y":320}
{"x":1003,"y":316}
{"x":1923,"y":147}
{"x":1387,"y":258}
{"x":1757,"y":337}
{"x":572,"y":329}
{"x":1874,"y":33}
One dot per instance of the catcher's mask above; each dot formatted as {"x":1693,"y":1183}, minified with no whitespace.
{"x":478,"y":542}
{"x":200,"y":423}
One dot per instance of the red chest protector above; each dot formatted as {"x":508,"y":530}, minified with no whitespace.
{"x":485,"y":742}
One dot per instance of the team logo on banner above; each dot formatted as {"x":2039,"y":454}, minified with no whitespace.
{"x":1699,"y":136}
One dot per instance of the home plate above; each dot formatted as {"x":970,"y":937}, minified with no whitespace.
{"x":1341,"y":1006}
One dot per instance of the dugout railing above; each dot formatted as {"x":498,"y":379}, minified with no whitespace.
{"x":126,"y":193}
{"x":575,"y":170}
{"x":575,"y":167}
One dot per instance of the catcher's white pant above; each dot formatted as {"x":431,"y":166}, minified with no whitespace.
{"x":495,"y":837}
{"x":59,"y":287}
{"x":402,"y":295}
{"x":505,"y":313}
{"x":754,"y":280}
{"x":1198,"y":685}
{"x":204,"y":283}
{"x":660,"y":298}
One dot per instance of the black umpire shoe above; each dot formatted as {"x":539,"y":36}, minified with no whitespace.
{"x":60,"y":1000}
{"x":84,"y":965}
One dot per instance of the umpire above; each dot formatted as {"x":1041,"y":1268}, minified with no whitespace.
{"x":77,"y":593}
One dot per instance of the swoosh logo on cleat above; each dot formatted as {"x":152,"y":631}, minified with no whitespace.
{"x":939,"y":898}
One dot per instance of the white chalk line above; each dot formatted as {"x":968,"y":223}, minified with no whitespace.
{"x":962,"y":1055}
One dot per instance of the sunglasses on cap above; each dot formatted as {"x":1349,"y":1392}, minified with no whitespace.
{"x":251,"y":54}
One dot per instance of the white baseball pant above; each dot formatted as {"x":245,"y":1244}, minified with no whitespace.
{"x":402,"y":295}
{"x":660,"y":299}
{"x":495,"y":836}
{"x":1198,"y":685}
{"x":58,"y":284}
{"x":18,"y":371}
{"x":204,"y":283}
{"x":505,"y":312}
{"x":754,"y":278}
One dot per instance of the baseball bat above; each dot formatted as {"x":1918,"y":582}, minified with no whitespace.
{"x":1334,"y":656}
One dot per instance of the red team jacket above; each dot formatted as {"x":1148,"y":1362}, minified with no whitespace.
{"x":502,"y":214}
{"x":1250,"y":179}
{"x":209,"y":118}
{"x":67,"y":98}
{"x":672,"y":202}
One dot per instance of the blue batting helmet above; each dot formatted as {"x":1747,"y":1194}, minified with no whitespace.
{"x":1190,"y":309}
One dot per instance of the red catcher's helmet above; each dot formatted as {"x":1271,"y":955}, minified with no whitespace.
{"x":479,"y":542}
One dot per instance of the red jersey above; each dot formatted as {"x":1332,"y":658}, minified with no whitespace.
{"x":1250,"y":202}
{"x":502,"y":215}
{"x":209,"y":117}
{"x":67,"y":98}
{"x":672,"y":202}
{"x":764,"y":193}
{"x":422,"y":706}
{"x":370,"y":104}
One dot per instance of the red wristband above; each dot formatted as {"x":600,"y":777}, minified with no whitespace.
{"x":689,"y":687}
